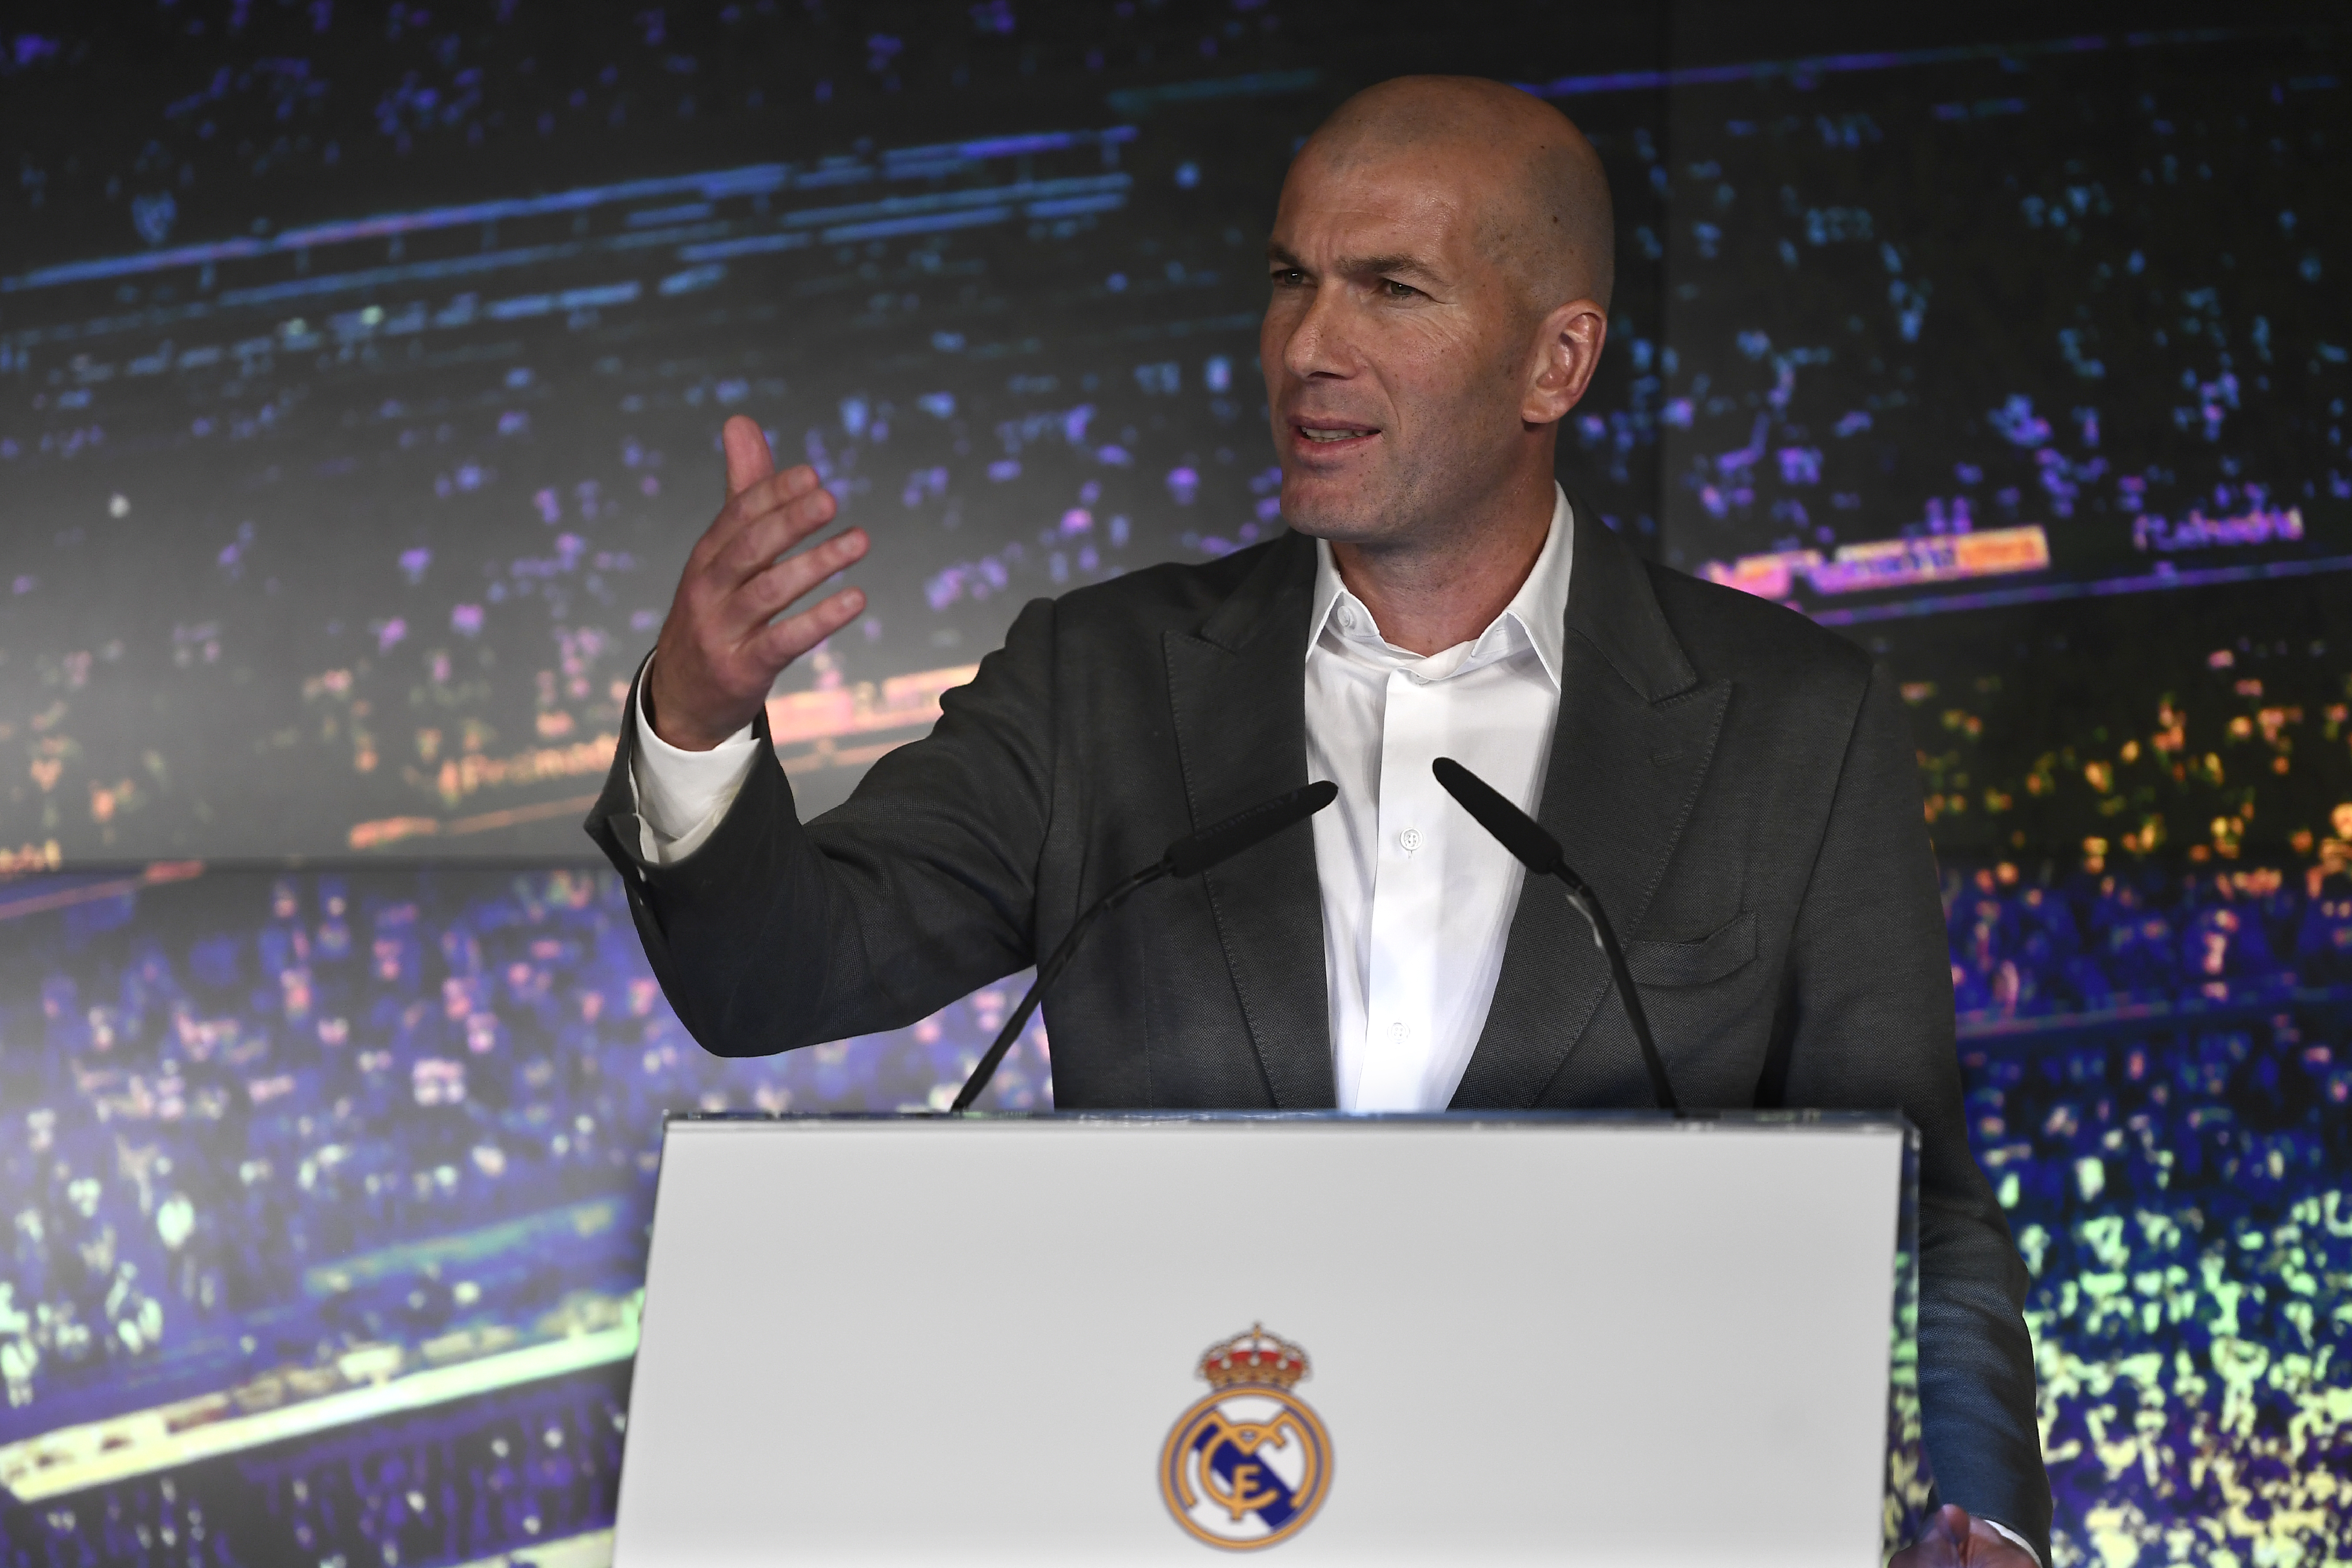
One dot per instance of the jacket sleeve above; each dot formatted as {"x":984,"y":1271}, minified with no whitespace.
{"x":1869,"y":1027}
{"x":916,"y":890}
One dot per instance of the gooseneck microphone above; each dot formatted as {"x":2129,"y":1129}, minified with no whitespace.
{"x":1188,"y":857}
{"x":1540,"y":852}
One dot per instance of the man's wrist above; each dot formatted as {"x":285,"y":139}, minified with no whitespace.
{"x":678,"y":737}
{"x":682,"y":794}
{"x":649,"y":708}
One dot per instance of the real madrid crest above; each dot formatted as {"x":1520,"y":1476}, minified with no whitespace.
{"x":1249,"y":1464}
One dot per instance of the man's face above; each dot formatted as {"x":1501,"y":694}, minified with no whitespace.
{"x":1395,"y":352}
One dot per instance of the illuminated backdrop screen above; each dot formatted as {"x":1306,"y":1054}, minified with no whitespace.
{"x":360,"y":374}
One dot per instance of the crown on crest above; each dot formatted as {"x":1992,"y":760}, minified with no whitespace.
{"x":1255,"y":1357}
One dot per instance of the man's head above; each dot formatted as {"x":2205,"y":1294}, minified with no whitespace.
{"x":1441,"y":264}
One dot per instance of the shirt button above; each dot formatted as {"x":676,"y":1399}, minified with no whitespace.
{"x":1409,"y":840}
{"x":1347,"y":619}
{"x":1400,"y":1031}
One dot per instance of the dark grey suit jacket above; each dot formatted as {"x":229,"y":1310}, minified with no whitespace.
{"x":1736,"y":784}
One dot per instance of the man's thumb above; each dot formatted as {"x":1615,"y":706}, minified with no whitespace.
{"x":748,"y":458}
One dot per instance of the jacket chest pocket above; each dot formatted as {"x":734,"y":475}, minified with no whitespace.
{"x":1711,"y":958}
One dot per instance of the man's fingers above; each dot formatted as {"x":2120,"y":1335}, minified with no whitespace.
{"x":796,"y":487}
{"x":787,"y":639}
{"x":736,"y":608}
{"x":748,"y":458}
{"x":776,"y":588}
{"x":778,"y":489}
{"x":763,"y":534}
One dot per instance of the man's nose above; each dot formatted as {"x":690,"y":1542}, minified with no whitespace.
{"x":1318,"y":343}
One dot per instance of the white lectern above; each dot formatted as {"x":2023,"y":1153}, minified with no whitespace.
{"x":1450,"y":1339}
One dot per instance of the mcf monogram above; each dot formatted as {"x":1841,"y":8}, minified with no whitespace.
{"x":1249,"y":1464}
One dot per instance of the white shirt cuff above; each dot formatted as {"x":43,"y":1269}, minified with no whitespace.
{"x":2021,"y":1540}
{"x":682,"y":796}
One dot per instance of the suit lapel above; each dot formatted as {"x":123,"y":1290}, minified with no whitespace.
{"x":1238,"y":692}
{"x":1636,"y":732}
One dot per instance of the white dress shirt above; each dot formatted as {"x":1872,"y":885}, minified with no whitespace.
{"x":1417,"y":899}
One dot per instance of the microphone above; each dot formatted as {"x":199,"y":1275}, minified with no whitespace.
{"x":1188,"y":857}
{"x":1540,"y":852}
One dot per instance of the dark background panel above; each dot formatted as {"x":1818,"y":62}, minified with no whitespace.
{"x":351,"y":471}
{"x":2078,"y":286}
{"x":340,"y":536}
{"x":2205,"y":730}
{"x":360,"y":370}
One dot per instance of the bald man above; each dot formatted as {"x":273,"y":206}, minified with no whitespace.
{"x":1734,"y":783}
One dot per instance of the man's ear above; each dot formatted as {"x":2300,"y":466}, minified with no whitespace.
{"x":1567,"y":351}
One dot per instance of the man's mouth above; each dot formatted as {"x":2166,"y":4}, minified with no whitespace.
{"x":1324,"y":434}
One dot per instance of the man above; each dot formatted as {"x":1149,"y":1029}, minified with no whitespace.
{"x":1734,"y":783}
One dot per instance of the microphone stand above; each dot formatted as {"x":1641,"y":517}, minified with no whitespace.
{"x":1047,"y":973}
{"x":1188,"y":857}
{"x":1582,"y":898}
{"x":1540,"y":853}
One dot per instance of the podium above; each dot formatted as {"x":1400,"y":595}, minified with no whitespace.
{"x":1547,"y":1337}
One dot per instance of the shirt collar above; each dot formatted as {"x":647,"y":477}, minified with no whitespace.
{"x":1535,"y":618}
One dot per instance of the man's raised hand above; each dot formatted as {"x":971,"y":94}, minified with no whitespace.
{"x":721,"y":648}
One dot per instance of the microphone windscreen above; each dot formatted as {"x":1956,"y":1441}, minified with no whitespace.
{"x":1516,"y":831}
{"x":1191,"y":855}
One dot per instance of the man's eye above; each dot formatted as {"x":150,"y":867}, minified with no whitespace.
{"x":1392,"y":288}
{"x":1288,"y":277}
